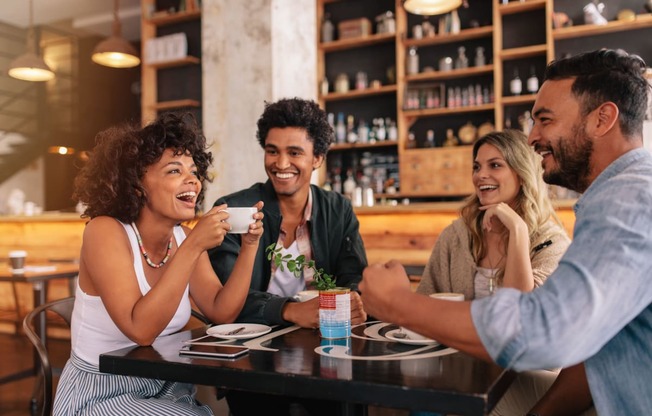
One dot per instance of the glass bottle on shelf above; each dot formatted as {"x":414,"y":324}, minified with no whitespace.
{"x":381,"y":133}
{"x":331,"y":120}
{"x":479,"y":59}
{"x":361,"y":82}
{"x":392,"y":131}
{"x":430,"y":139}
{"x":349,"y":184}
{"x":461,"y":61}
{"x":451,"y":140}
{"x":455,"y":22}
{"x":340,"y":129}
{"x":515,"y":85}
{"x":337,"y":182}
{"x":327,"y":29}
{"x":532,"y":83}
{"x":363,"y":132}
{"x":351,"y":133}
{"x":323,"y":87}
{"x":412,"y":61}
{"x":411,"y":141}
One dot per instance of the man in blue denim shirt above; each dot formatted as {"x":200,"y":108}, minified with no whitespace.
{"x":593,"y":315}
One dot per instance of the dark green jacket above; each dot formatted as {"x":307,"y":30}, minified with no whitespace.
{"x":334,"y":236}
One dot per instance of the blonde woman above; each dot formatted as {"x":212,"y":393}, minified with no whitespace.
{"x":508,"y":234}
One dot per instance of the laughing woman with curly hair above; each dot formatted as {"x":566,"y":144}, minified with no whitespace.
{"x":139,"y":268}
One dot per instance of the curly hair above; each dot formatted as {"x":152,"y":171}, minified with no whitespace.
{"x":111,"y":181}
{"x":532,"y":202}
{"x":607,"y":75}
{"x":297,"y":112}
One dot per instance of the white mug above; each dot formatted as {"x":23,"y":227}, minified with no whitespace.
{"x":240,"y":218}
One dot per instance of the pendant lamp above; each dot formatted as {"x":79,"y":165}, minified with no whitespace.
{"x":30,"y":67}
{"x":431,"y":7}
{"x":115,"y":51}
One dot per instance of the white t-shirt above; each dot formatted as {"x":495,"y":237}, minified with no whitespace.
{"x":284,"y":282}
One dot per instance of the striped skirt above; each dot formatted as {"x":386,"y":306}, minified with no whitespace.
{"x":83,"y":390}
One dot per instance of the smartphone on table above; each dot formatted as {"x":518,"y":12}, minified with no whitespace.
{"x":214,"y":351}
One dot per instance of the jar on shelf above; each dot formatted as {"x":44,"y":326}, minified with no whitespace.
{"x":342,"y":83}
{"x":462,"y":61}
{"x":361,"y":82}
{"x":479,"y":59}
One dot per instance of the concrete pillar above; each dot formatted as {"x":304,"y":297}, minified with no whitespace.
{"x":252,"y":51}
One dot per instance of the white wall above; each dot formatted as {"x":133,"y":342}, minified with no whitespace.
{"x":252,"y":51}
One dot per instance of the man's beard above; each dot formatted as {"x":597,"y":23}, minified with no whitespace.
{"x":573,"y":157}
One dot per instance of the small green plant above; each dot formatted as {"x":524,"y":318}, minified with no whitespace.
{"x":320,"y":280}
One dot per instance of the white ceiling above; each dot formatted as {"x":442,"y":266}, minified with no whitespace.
{"x":92,"y":16}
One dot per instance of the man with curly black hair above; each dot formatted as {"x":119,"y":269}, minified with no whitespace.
{"x":302,"y":218}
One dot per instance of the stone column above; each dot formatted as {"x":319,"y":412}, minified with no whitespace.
{"x":252,"y":51}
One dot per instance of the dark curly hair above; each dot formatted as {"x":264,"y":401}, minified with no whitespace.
{"x":297,"y":112}
{"x":111,"y":181}
{"x":607,"y":75}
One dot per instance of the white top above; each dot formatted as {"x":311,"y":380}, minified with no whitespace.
{"x":481,"y":282}
{"x":93,"y":331}
{"x":284,"y":282}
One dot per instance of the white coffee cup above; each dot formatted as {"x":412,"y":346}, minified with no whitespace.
{"x":441,"y":295}
{"x":240,"y":218}
{"x":305,"y":295}
{"x":17,"y":259}
{"x":448,"y":296}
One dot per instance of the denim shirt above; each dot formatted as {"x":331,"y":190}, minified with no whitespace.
{"x":596,"y":307}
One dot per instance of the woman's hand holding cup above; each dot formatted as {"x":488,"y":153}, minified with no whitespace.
{"x":255,"y":229}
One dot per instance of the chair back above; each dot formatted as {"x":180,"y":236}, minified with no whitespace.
{"x":63,"y":307}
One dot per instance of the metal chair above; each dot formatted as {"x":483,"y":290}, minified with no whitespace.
{"x":63,"y":308}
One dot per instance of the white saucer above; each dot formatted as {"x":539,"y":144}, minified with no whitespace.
{"x":391,"y":335}
{"x":249,"y":331}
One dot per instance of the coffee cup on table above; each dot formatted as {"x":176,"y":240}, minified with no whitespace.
{"x":240,"y":218}
{"x":17,"y":260}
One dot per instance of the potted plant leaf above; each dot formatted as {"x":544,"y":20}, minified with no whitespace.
{"x":334,"y":302}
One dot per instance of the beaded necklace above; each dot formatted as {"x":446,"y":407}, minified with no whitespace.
{"x":142,"y":250}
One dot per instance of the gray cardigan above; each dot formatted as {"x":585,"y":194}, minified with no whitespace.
{"x":452,"y":268}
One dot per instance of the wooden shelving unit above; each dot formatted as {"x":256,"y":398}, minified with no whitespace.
{"x":522,"y":53}
{"x":465,"y":34}
{"x":150,"y":104}
{"x":334,"y":96}
{"x":642,"y":21}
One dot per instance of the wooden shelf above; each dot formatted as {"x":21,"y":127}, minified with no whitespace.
{"x":187,"y":60}
{"x":519,"y":99}
{"x":335,"y":96}
{"x":523,"y":52}
{"x":169,"y":105}
{"x":515,"y":6}
{"x":428,"y":112}
{"x":174,"y":18}
{"x":642,"y":21}
{"x":455,"y":73}
{"x":466,"y":34}
{"x":340,"y":45}
{"x":349,"y":146}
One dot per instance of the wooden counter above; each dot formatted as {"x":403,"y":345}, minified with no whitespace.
{"x":408,"y":233}
{"x":46,"y":237}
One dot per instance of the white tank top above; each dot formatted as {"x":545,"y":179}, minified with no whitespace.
{"x":93,"y":331}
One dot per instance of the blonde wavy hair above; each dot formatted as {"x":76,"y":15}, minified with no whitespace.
{"x":532,"y":202}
